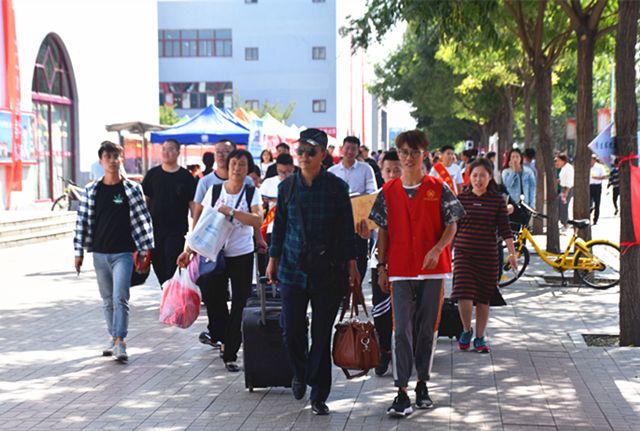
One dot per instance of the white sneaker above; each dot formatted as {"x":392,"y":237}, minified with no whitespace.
{"x":120,"y":352}
{"x":108,"y":350}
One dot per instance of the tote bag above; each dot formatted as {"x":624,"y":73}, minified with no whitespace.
{"x":210,"y":234}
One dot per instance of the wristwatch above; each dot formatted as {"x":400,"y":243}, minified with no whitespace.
{"x":232,"y":213}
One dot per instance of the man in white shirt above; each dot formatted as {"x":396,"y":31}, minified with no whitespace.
{"x":598,"y":174}
{"x":565,"y":180}
{"x":448,"y":170}
{"x":361,"y":181}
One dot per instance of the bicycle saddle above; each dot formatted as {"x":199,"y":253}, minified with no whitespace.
{"x":580,"y":224}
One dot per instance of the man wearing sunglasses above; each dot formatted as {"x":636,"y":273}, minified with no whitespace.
{"x":313,"y":258}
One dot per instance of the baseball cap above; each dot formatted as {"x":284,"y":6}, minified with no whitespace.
{"x":313,"y":137}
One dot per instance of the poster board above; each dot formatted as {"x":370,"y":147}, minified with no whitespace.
{"x":361,"y":206}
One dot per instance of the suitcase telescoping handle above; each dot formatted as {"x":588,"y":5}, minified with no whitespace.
{"x":263,"y":282}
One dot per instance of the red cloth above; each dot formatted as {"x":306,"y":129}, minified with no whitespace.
{"x":415,"y":226}
{"x":634,"y":176}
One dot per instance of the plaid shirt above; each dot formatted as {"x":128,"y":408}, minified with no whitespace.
{"x":141,"y":226}
{"x":328,"y":218}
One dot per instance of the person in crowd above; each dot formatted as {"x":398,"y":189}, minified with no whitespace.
{"x":565,"y":182}
{"x":112,"y":222}
{"x":269,"y":192}
{"x":207,"y":160}
{"x":417,"y":216}
{"x":281,"y":148}
{"x":447,"y":170}
{"x":598,"y":175}
{"x":313,"y":208}
{"x":266,"y":160}
{"x":360,"y":178}
{"x":233,"y":201}
{"x":212,"y":283}
{"x":364,"y":153}
{"x":169,"y":190}
{"x":331,"y":150}
{"x":519,"y":180}
{"x":529,"y":156}
{"x":614,"y":183}
{"x":381,"y":312}
{"x":476,"y":258}
{"x":256,"y":176}
{"x":491,"y":156}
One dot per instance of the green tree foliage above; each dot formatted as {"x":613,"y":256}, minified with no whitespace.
{"x":275,"y":110}
{"x":168,"y":116}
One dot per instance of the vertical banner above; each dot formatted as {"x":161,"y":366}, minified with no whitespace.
{"x":604,"y":118}
{"x":254,"y":146}
{"x":14,"y":182}
{"x":571,"y":129}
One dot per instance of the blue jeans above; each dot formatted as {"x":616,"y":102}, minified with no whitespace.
{"x":113,"y":271}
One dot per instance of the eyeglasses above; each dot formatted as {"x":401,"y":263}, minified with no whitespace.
{"x":311,"y":152}
{"x":413,"y":153}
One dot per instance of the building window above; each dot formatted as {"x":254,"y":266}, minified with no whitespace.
{"x":252,"y":104}
{"x":251,"y":54}
{"x":251,"y":1}
{"x":318,"y":1}
{"x":320,"y":105}
{"x":194,"y":43}
{"x":319,"y":53}
{"x":196,"y":95}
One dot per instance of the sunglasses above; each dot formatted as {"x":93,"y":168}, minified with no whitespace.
{"x":311,"y":152}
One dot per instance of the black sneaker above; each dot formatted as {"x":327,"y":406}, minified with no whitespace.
{"x":401,"y":406}
{"x":423,"y":401}
{"x":385,"y":359}
{"x":205,"y":338}
{"x":319,"y":408}
{"x":298,"y":388}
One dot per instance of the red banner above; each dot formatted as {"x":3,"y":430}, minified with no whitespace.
{"x":14,"y":181}
{"x":635,"y":201}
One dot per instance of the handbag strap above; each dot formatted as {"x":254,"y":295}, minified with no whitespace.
{"x":244,"y":187}
{"x":353,"y":376}
{"x":354,"y":309}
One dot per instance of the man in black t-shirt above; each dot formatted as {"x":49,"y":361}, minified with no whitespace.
{"x":169,"y":190}
{"x":113,"y":222}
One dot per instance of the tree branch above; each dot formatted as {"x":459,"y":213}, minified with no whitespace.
{"x":518,"y":15}
{"x":596,"y":14}
{"x":571,"y":13}
{"x":607,"y":30}
{"x":556,"y":50}
{"x":539,"y":28}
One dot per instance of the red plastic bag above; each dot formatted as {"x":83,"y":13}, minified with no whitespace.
{"x":181,"y":297}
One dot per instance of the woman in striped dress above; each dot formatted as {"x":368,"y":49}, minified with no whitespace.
{"x":475,"y":273}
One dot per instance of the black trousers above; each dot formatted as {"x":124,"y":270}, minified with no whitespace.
{"x":595,"y":191}
{"x":312,"y":366}
{"x":382,"y":313}
{"x":164,"y":255}
{"x":362,"y":255}
{"x":616,"y":194}
{"x":263,"y":259}
{"x":224,"y":324}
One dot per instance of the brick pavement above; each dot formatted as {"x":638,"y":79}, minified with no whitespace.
{"x":540,"y":375}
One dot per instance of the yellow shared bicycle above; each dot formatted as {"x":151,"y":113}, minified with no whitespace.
{"x":596,"y":262}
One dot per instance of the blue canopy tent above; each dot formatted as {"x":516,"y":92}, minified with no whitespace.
{"x":208,"y":126}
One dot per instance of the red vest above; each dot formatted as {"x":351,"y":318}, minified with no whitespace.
{"x":414,"y":226}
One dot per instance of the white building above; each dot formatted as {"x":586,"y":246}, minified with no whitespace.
{"x":245,"y":53}
{"x":83,"y":64}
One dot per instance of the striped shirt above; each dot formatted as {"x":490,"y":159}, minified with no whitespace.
{"x":485,"y":217}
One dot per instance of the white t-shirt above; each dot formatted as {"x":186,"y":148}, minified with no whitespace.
{"x":456,"y":175}
{"x":566,"y":176}
{"x":597,"y":170}
{"x":241,"y":240}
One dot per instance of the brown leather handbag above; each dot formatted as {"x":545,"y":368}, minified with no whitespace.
{"x":355,"y":344}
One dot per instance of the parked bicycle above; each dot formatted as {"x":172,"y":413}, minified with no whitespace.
{"x":596,"y":262}
{"x":70,"y":198}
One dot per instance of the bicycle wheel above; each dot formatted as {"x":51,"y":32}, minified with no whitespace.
{"x":605,"y":257}
{"x":508,"y":276}
{"x":60,"y":204}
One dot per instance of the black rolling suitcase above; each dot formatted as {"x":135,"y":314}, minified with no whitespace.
{"x":450,"y":323}
{"x":266,"y":362}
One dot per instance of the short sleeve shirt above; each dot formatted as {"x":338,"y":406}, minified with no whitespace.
{"x":566,"y":176}
{"x":241,"y":240}
{"x":455,"y":172}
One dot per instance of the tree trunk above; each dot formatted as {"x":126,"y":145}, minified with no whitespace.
{"x":626,"y":127}
{"x":505,"y":126}
{"x":582,"y":164}
{"x":528,"y":126}
{"x":484,"y":136}
{"x":538,"y":223}
{"x":542,"y":73}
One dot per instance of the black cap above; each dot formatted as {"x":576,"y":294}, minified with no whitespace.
{"x":313,"y":137}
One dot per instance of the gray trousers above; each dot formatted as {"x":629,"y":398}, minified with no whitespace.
{"x":416,"y":305}
{"x":564,"y":207}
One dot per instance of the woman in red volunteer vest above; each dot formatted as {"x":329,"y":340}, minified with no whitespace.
{"x":417,"y":216}
{"x":476,"y":259}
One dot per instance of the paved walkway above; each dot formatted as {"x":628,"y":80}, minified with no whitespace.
{"x":540,"y":375}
